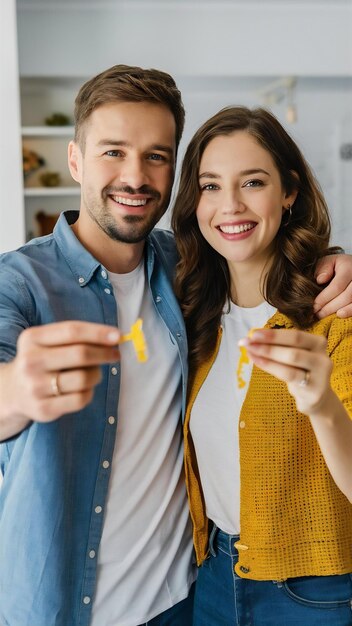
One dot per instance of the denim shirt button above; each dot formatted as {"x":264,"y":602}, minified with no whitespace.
{"x":81,"y":280}
{"x":107,"y":290}
{"x":158,"y":299}
{"x":104,"y":274}
{"x":86,"y":600}
{"x":114,"y":371}
{"x":98,"y":509}
{"x":106,"y":464}
{"x":91,"y":554}
{"x":111,"y":419}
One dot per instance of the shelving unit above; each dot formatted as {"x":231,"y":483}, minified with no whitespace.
{"x":40,"y":98}
{"x":43,"y":192}
{"x":47,"y":131}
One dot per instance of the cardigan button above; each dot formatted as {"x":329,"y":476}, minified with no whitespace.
{"x":245,"y":570}
{"x":240,"y":546}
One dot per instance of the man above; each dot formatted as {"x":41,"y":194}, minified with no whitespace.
{"x":94,"y":524}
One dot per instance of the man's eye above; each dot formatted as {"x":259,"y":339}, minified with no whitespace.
{"x":156,"y":157}
{"x":113,"y":153}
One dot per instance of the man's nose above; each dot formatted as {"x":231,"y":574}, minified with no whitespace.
{"x":133,"y":173}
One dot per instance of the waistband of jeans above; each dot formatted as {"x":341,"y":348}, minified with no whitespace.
{"x":219,"y":540}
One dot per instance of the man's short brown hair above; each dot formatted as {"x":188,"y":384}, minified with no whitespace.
{"x":124,"y":83}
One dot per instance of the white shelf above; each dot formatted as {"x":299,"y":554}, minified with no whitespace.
{"x":48,"y":131}
{"x":31,"y":192}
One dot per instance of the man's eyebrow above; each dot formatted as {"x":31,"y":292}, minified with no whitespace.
{"x":113,"y":142}
{"x":250,"y":172}
{"x":125,"y":144}
{"x":162,"y":148}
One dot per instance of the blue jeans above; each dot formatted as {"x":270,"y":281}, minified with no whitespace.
{"x":179,"y":615}
{"x":224,"y":599}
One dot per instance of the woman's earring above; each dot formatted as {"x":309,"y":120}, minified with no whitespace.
{"x":289,"y":210}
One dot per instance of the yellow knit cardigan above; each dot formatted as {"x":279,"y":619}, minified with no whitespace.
{"x":294,"y":519}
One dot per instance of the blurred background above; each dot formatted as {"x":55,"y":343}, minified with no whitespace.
{"x":292,"y":56}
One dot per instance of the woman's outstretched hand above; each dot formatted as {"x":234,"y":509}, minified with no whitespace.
{"x":300,"y":360}
{"x":297,"y":358}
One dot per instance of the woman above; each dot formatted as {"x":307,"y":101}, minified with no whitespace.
{"x":268,"y":464}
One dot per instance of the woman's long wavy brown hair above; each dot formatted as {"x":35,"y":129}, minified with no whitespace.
{"x":202,"y":277}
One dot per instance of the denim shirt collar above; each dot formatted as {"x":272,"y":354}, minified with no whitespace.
{"x":82,"y":264}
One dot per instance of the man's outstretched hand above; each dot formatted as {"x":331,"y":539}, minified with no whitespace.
{"x":55,"y":372}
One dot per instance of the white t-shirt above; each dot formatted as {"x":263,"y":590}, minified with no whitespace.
{"x":214,"y":419}
{"x":145,"y":555}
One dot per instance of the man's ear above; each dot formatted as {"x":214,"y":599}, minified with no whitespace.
{"x":75,"y":161}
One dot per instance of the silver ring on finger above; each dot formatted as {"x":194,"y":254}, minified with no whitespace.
{"x":305,"y":380}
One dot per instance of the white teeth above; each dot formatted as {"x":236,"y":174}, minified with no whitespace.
{"x":233,"y":229}
{"x":129,"y":202}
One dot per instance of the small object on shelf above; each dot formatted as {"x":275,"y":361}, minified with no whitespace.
{"x":137,"y":337}
{"x":57,"y":119}
{"x":50,"y":179}
{"x":46,"y":222}
{"x":31,"y":161}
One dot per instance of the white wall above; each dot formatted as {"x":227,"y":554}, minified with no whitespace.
{"x":220,"y":53}
{"x":223,"y":37}
{"x":11,"y":183}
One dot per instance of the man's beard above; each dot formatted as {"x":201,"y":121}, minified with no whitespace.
{"x":137,"y":227}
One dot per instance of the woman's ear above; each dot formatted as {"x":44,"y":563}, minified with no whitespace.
{"x":290,"y":198}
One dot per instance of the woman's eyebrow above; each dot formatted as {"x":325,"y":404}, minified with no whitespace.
{"x":208,"y":175}
{"x":249,"y":172}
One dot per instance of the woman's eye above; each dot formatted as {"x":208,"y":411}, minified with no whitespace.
{"x":253,"y":183}
{"x":209,"y":187}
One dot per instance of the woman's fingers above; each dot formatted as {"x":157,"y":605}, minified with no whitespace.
{"x":294,"y":350}
{"x":297,"y":358}
{"x":286,"y":337}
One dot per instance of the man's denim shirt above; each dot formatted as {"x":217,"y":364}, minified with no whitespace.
{"x":55,"y":482}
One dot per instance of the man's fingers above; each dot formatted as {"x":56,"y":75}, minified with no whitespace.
{"x":53,"y":407}
{"x":345,"y":311}
{"x":328,"y":301}
{"x":66,"y":345}
{"x":333,"y":300}
{"x":325,"y":269}
{"x":66,"y":357}
{"x":72,"y":381}
{"x":70,"y":332}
